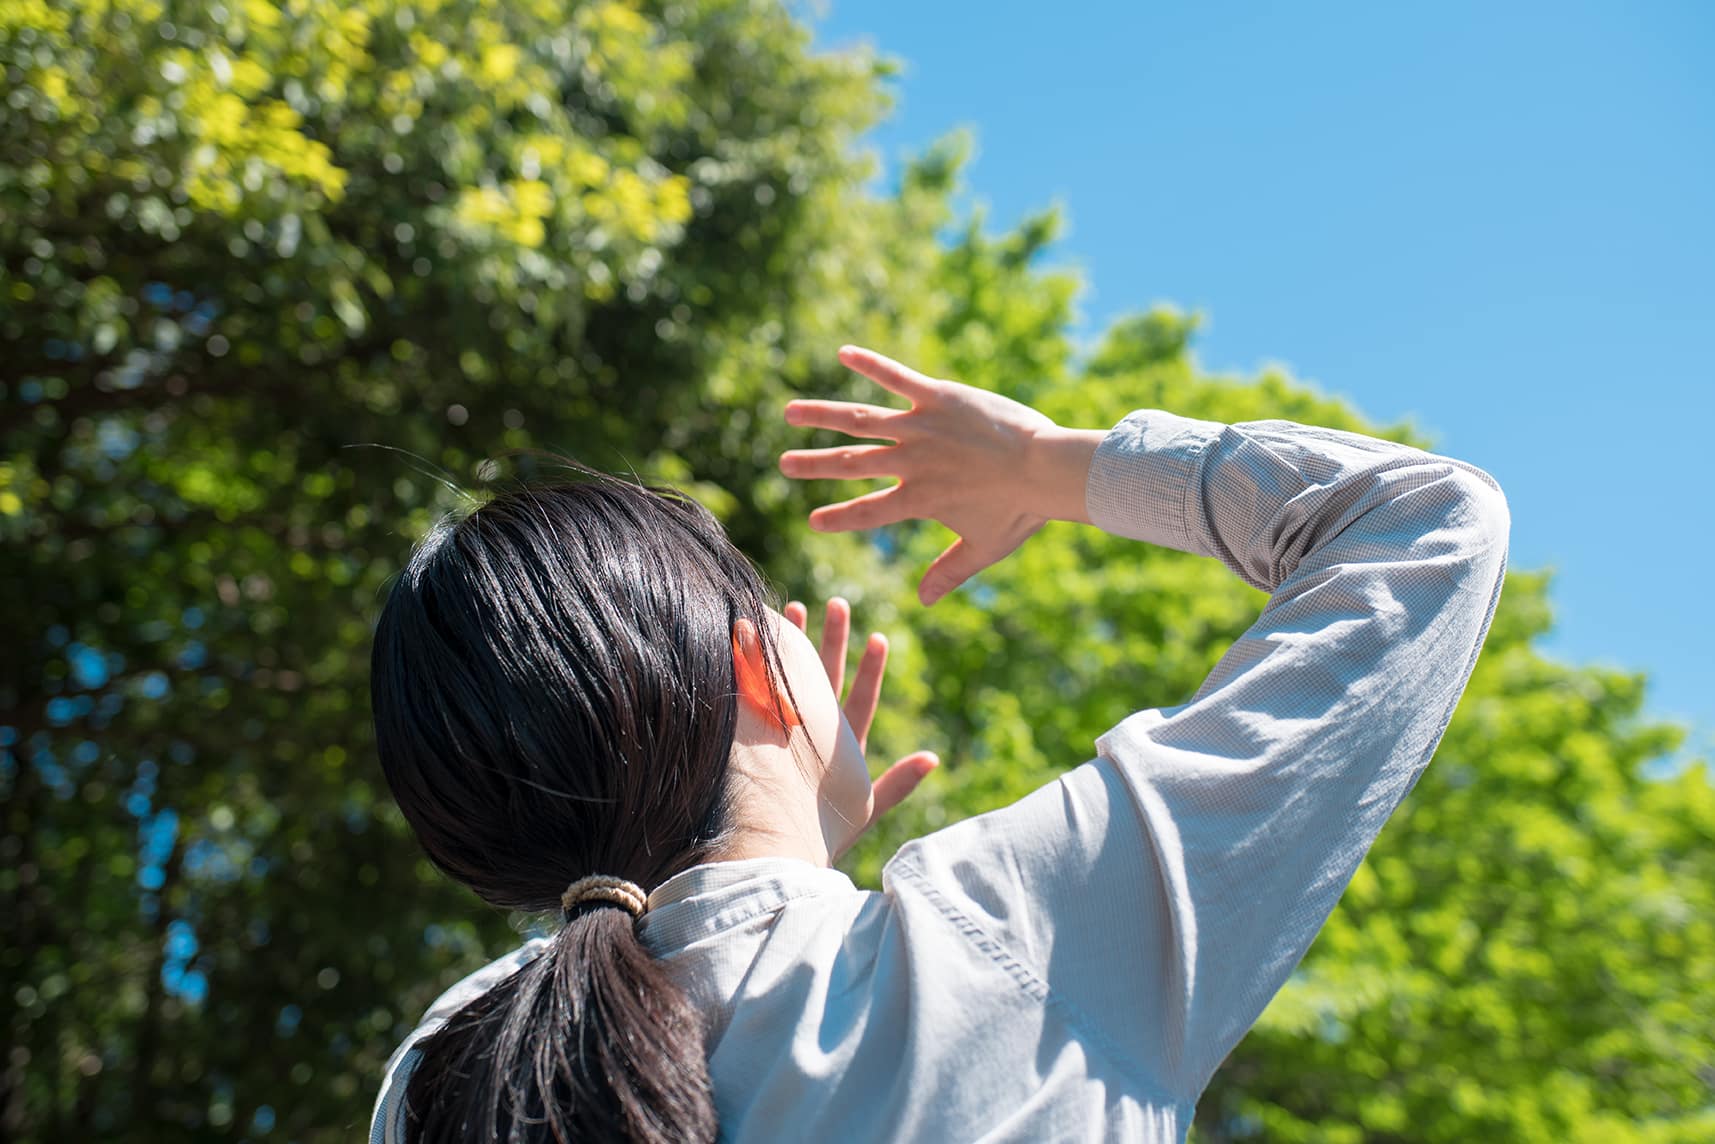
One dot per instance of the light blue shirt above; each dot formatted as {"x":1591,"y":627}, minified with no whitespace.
{"x":1076,"y":965}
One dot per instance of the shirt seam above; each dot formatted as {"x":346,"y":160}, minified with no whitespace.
{"x":1032,"y":985}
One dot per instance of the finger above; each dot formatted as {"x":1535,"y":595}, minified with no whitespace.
{"x":866,"y":687}
{"x":841,"y":463}
{"x":797,"y":615}
{"x":884,"y":506}
{"x":953,"y":567}
{"x":887,"y":373}
{"x":836,"y":629}
{"x":900,"y":780}
{"x":847,"y":417}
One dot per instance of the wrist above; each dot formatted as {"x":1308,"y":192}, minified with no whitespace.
{"x":1056,"y":471}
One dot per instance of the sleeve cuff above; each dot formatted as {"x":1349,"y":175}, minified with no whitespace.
{"x":1144,"y":479}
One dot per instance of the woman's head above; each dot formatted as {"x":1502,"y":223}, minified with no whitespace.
{"x":585,"y":679}
{"x":559,"y":680}
{"x":553,"y":688}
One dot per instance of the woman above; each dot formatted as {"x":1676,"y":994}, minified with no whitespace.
{"x":584,"y":702}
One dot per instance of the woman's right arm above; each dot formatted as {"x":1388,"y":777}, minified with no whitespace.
{"x":1165,"y":891}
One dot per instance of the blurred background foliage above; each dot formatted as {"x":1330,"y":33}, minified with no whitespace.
{"x":282,"y":283}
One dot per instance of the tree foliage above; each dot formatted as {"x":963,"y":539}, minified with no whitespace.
{"x":282,"y":283}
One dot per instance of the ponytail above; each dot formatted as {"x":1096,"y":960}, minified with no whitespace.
{"x":592,"y":1040}
{"x":555,"y":696}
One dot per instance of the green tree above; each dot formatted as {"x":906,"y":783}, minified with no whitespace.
{"x":237,"y":240}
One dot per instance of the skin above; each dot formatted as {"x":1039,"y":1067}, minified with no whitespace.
{"x":988,"y":468}
{"x":789,"y":804}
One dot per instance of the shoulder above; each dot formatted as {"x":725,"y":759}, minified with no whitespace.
{"x":386,"y":1121}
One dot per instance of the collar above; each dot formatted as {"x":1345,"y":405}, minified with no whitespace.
{"x":706,"y":900}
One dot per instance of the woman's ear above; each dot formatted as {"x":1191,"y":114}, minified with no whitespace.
{"x":750,"y":669}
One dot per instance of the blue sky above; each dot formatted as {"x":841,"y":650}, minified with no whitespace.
{"x":1495,"y":221}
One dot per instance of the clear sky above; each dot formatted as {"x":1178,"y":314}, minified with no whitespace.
{"x":1494,"y":220}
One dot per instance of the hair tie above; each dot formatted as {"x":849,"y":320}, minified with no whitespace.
{"x":602,"y":888}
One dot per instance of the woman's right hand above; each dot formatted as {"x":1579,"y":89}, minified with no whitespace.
{"x":987,"y":467}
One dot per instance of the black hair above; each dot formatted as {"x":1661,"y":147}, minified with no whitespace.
{"x":554,"y":697}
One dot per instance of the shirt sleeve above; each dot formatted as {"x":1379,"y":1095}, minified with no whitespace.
{"x":1161,"y":894}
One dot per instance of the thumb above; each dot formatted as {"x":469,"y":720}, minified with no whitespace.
{"x":950,"y":569}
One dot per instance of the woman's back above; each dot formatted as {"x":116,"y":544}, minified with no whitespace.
{"x":1076,"y":965}
{"x":916,"y":1034}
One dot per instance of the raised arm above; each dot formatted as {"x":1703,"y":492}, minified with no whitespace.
{"x":1261,"y":795}
{"x":1164,"y":892}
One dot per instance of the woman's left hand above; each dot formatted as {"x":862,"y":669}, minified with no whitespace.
{"x":902,"y":777}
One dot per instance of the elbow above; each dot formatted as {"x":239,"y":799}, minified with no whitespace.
{"x":1483,"y":513}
